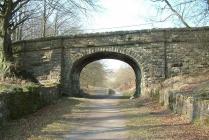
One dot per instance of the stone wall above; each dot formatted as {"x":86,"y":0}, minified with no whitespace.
{"x":190,"y":106}
{"x":17,"y":103}
{"x":157,"y":54}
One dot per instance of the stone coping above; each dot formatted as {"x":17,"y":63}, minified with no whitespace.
{"x":103,"y":34}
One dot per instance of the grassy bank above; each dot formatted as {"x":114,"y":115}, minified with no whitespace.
{"x":149,"y":121}
{"x":50,"y":122}
{"x":5,"y":87}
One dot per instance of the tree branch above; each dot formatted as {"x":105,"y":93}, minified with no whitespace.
{"x":177,"y":14}
{"x":17,"y":7}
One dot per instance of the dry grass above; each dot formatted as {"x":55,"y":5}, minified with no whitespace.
{"x":149,"y":121}
{"x":129,"y":92}
{"x":49,"y":123}
{"x":10,"y":87}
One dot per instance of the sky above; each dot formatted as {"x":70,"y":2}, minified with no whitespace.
{"x":116,"y":15}
{"x":114,"y":64}
{"x":122,"y":15}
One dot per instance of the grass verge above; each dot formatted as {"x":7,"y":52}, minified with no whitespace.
{"x":49,"y":123}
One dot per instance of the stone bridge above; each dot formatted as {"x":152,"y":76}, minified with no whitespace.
{"x":154,"y":55}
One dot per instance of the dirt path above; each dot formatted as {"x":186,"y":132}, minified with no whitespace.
{"x":103,"y":119}
{"x":99,"y":119}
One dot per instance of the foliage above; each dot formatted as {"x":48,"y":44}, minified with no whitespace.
{"x":7,"y":86}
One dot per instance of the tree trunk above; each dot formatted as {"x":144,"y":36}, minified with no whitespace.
{"x":5,"y":48}
{"x":44,"y":20}
{"x":56,"y":25}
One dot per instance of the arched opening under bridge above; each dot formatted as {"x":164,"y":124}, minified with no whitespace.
{"x":85,"y":60}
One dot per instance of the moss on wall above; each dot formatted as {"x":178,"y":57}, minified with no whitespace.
{"x":19,"y":102}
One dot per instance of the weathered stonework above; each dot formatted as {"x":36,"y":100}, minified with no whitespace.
{"x":15,"y":104}
{"x":154,"y":55}
{"x":190,"y":106}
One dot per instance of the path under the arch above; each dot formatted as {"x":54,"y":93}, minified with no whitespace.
{"x":99,"y":119}
{"x":110,"y":118}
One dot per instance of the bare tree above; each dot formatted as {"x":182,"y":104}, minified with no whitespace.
{"x":93,"y":74}
{"x":9,"y":11}
{"x":124,"y":78}
{"x":188,"y":13}
{"x":12,"y":16}
{"x":55,"y":17}
{"x":65,"y":23}
{"x":65,"y":14}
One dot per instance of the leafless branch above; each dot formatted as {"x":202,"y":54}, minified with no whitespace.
{"x":177,"y":14}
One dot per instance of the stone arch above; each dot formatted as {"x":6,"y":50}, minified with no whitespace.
{"x":89,"y":57}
